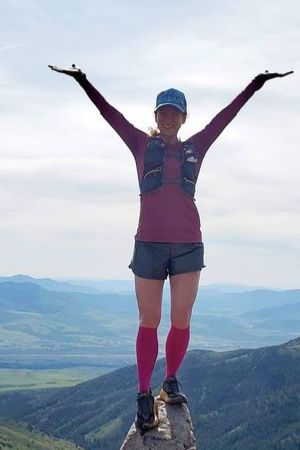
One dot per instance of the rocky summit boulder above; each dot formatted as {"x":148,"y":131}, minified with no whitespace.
{"x":175,"y":431}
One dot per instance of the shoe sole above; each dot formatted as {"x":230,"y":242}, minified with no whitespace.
{"x":175,"y":400}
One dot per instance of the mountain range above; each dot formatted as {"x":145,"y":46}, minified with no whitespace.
{"x":97,"y":286}
{"x":244,"y":399}
{"x":63,"y":327}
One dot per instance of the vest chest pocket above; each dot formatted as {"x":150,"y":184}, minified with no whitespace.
{"x":152,"y":180}
{"x":188,"y":169}
{"x":153,"y":167}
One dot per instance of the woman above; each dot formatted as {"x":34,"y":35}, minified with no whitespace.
{"x":168,"y":240}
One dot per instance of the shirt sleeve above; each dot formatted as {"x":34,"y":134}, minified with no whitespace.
{"x":204,"y":139}
{"x":132,"y":136}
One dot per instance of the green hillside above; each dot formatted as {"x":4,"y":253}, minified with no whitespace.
{"x":17,"y":436}
{"x":244,"y":399}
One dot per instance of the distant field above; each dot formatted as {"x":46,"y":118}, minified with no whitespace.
{"x":50,"y":378}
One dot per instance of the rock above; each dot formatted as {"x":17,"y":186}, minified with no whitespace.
{"x":175,"y":431}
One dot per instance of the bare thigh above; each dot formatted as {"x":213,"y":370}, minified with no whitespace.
{"x":149,"y":298}
{"x":184,"y":288}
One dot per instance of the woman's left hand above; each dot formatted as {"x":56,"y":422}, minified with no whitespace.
{"x":263,"y":77}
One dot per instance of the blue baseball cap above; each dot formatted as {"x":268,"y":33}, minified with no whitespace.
{"x":171,"y":97}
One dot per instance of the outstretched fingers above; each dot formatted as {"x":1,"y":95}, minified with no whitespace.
{"x":267,"y":75}
{"x":73,"y":71}
{"x":57,"y":69}
{"x":286,"y":73}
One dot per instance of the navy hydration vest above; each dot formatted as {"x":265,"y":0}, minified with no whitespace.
{"x":154,"y":176}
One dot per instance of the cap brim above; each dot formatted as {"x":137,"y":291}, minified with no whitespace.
{"x":170,"y":104}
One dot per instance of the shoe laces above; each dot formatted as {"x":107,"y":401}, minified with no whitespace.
{"x":145,"y":405}
{"x":173,"y":385}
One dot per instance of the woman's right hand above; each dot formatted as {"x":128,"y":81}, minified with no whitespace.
{"x":73,"y":71}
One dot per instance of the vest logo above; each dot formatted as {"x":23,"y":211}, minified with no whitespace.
{"x":192,"y":159}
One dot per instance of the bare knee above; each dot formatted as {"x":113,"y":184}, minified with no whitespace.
{"x":149,"y":298}
{"x":181,"y":318}
{"x":149,"y":320}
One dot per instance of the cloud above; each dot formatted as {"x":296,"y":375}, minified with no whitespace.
{"x":8,"y":47}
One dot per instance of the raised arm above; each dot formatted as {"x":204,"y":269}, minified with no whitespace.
{"x":116,"y":120}
{"x":209,"y":134}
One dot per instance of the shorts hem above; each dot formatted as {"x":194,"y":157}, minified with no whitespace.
{"x":179,"y":272}
{"x":135,"y":272}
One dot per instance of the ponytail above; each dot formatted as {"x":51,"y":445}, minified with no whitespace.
{"x":153,"y":132}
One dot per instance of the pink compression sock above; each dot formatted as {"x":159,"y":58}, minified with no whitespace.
{"x":176,"y":347}
{"x":146,"y":354}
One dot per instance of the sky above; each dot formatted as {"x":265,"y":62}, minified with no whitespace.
{"x":69,"y":200}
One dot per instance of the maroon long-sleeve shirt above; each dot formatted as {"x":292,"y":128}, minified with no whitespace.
{"x":168,"y":215}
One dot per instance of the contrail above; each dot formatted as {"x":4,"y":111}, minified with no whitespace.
{"x":11,"y":46}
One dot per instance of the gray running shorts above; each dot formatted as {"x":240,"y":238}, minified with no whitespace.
{"x":158,"y":260}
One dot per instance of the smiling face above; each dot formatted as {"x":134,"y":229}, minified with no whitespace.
{"x":169,"y":120}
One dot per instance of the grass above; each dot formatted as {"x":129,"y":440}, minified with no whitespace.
{"x":17,"y":436}
{"x":17,"y":379}
{"x":106,"y":431}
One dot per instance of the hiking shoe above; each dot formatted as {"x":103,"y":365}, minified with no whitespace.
{"x":147,"y":411}
{"x":171,"y":392}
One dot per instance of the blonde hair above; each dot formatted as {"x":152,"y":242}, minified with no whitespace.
{"x":153,"y":132}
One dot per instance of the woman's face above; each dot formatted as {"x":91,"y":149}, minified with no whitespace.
{"x":169,"y":120}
